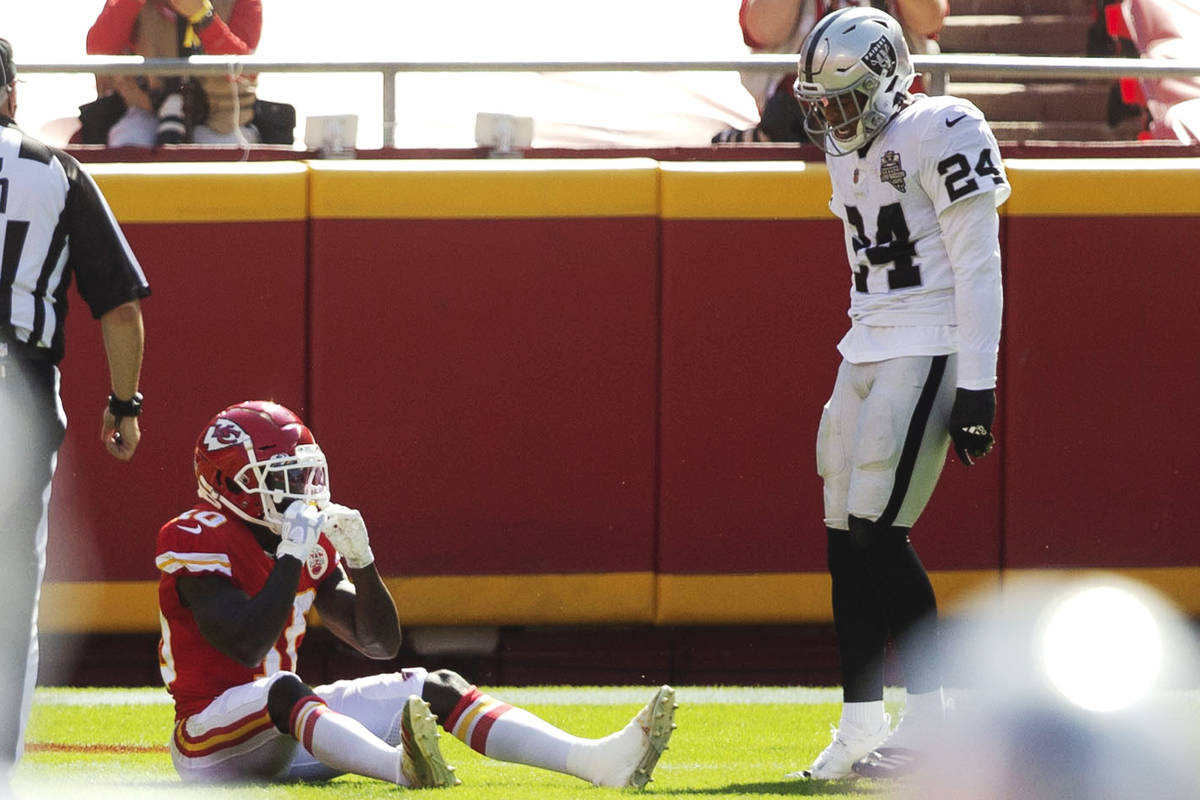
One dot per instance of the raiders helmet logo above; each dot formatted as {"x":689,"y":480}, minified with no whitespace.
{"x":224,"y":433}
{"x":881,"y":57}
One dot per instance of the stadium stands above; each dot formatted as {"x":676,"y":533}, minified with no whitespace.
{"x":1042,"y":110}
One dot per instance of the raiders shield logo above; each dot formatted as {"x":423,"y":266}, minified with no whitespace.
{"x":891,"y":171}
{"x":881,"y":58}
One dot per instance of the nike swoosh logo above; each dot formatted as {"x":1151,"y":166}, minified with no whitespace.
{"x":950,"y":123}
{"x":188,"y":529}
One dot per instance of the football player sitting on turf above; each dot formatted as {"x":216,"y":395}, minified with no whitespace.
{"x":241,"y":569}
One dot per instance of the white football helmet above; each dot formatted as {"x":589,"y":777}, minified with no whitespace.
{"x":853,"y":76}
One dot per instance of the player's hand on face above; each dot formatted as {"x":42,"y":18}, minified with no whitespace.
{"x":301,"y":526}
{"x":345,"y":529}
{"x":971,"y":421}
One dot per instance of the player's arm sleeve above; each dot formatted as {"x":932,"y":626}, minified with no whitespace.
{"x":970,"y":233}
{"x":107,"y":271}
{"x":242,"y":627}
{"x":960,"y":158}
{"x":360,"y":612}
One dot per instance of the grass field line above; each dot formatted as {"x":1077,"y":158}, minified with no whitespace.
{"x":516,"y":695}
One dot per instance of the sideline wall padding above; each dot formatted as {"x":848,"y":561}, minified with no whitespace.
{"x":587,"y":391}
{"x":484,"y":358}
{"x":751,"y":310}
{"x":224,"y":249}
{"x":1102,"y":370}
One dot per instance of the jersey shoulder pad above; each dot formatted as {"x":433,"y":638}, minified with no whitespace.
{"x":200,"y":540}
{"x":949,"y":122}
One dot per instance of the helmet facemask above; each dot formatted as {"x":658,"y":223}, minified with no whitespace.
{"x":847,"y":118}
{"x":283,"y":479}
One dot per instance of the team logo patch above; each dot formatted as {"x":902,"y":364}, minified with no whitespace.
{"x":857,"y":175}
{"x":891,"y":171}
{"x":881,"y":57}
{"x":318,"y":562}
{"x":224,"y":433}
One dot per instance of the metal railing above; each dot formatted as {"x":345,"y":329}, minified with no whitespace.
{"x":938,"y":67}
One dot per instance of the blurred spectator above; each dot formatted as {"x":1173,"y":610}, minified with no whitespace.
{"x":145,"y":112}
{"x":1077,"y":687}
{"x":779,"y":26}
{"x":1168,"y":29}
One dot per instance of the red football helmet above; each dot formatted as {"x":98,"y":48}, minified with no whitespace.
{"x":255,"y":458}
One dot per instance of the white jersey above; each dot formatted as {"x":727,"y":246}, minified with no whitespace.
{"x":906,"y":293}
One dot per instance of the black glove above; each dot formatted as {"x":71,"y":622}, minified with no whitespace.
{"x":971,"y":423}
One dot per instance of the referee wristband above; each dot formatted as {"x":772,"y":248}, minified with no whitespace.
{"x":125,"y":408}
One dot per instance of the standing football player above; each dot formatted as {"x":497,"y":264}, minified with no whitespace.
{"x":240,"y":571}
{"x":916,"y":182}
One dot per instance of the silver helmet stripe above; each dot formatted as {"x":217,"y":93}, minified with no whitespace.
{"x":815,"y":40}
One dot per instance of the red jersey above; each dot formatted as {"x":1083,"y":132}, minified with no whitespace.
{"x":208,"y":541}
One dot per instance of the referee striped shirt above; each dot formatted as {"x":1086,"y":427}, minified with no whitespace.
{"x":55,"y":223}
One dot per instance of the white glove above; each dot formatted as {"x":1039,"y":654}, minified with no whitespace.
{"x":345,"y":529}
{"x":301,"y":526}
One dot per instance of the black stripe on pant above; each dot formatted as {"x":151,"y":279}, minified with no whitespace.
{"x":913,"y":439}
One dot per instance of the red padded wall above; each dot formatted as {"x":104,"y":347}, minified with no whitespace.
{"x":617,"y":392}
{"x":225,"y":323}
{"x":751,"y":314}
{"x":1101,"y":376}
{"x":485,"y":389}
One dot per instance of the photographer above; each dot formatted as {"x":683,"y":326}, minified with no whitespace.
{"x":145,"y":112}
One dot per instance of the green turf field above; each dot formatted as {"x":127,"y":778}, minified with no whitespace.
{"x":731,"y":742}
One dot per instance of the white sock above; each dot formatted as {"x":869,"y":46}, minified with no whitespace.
{"x":506,"y":733}
{"x":864,"y":717}
{"x":523,"y":738}
{"x":345,"y":744}
{"x":926,"y":707}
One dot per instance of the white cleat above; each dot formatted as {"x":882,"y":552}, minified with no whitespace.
{"x":636,"y":748}
{"x":903,"y":753}
{"x":421,"y":759}
{"x":848,"y":746}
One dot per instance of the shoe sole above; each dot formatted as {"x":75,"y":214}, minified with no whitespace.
{"x":662,"y":725}
{"x":889,"y":763}
{"x":432,"y":771}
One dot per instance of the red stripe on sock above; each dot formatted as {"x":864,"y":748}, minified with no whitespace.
{"x":305,"y":736}
{"x":464,"y":702}
{"x":483,"y":725}
{"x":310,"y":723}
